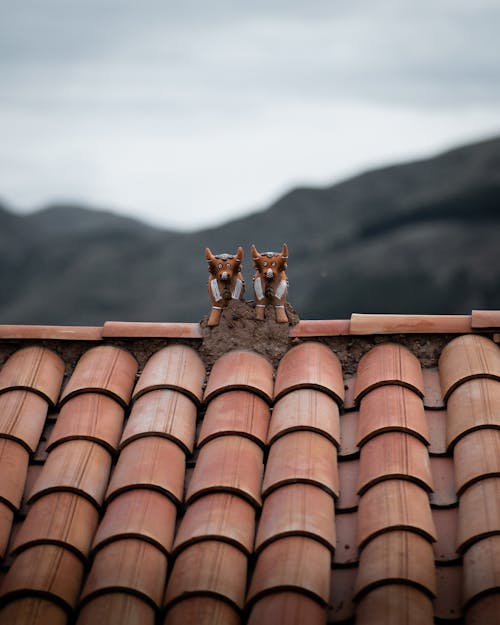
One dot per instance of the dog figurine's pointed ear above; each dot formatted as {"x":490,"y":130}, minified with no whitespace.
{"x":284,"y":251}
{"x":239,"y":254}
{"x":255,"y":255}
{"x":210,"y":259}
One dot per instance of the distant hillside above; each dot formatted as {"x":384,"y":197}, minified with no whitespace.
{"x":422,"y":237}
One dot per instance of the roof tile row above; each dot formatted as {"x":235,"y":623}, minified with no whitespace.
{"x":375,"y":509}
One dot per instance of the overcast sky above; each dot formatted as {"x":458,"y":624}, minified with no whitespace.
{"x":192,"y":113}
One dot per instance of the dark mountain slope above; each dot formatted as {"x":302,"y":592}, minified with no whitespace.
{"x":421,"y":237}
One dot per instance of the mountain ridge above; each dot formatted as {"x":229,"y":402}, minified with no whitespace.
{"x":413,"y":237}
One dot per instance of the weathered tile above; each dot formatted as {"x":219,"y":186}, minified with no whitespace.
{"x":320,"y":327}
{"x":31,"y":611}
{"x":14,"y":460}
{"x":348,"y":485}
{"x":139,"y":513}
{"x":391,"y":408}
{"x":210,"y":568}
{"x":145,"y":329}
{"x":128,"y":565}
{"x":22,"y":416}
{"x":305,"y":457}
{"x":341,"y":605}
{"x":48,"y":571}
{"x":236,"y":412}
{"x":310,"y":365}
{"x":433,"y":397}
{"x":473,"y":405}
{"x":294,"y":562}
{"x":364,"y":324}
{"x":479,"y":512}
{"x":394,"y":455}
{"x":393,"y":604}
{"x":106,"y":369}
{"x":6,"y":519}
{"x":297,"y":510}
{"x":228,"y":464}
{"x":221,"y":516}
{"x":60,"y":518}
{"x":176,"y":367}
{"x":201,"y":611}
{"x":165,"y":413}
{"x":445,"y":547}
{"x":481,"y":567}
{"x":348,"y":435}
{"x":290,"y":608}
{"x":305,"y":409}
{"x":116,"y":608}
{"x":78,"y":466}
{"x":394,"y":557}
{"x":150,"y":462}
{"x":486,"y":318}
{"x":476,"y":456}
{"x":444,"y":493}
{"x":437,"y":422}
{"x":90,"y":416}
{"x":448,"y":600}
{"x":346,"y":549}
{"x":240,"y":370}
{"x":483,"y":610}
{"x":349,"y":384}
{"x":388,"y":363}
{"x":34,"y":369}
{"x":394,"y":504}
{"x":466,"y":357}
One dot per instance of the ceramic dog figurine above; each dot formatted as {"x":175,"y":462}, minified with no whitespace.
{"x":270,"y":283}
{"x":225,"y":281}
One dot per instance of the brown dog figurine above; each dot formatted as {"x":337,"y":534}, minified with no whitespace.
{"x":270,"y":283}
{"x":225,"y":281}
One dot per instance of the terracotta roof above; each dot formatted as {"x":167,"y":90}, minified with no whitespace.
{"x":353,"y":479}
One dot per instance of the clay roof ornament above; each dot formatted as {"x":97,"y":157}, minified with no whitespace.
{"x":225,"y":281}
{"x":270,"y":283}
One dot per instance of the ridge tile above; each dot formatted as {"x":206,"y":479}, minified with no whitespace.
{"x":163,"y":412}
{"x":310,"y":365}
{"x":297,"y":510}
{"x":128,"y":565}
{"x":201,"y":611}
{"x":394,"y":455}
{"x":465,"y":358}
{"x":292,"y":563}
{"x":104,"y":369}
{"x":394,"y":504}
{"x":34,"y":369}
{"x":291,"y":608}
{"x":388,"y":363}
{"x":151,"y":462}
{"x":59,"y":518}
{"x":391,"y":408}
{"x":218,"y":516}
{"x":91,"y":416}
{"x":228,"y":464}
{"x":140,"y":513}
{"x":236,"y":412}
{"x":176,"y":367}
{"x":77,"y":466}
{"x":396,"y":557}
{"x":302,"y":457}
{"x":116,"y":608}
{"x":243,"y":370}
{"x":305,"y":409}
{"x":22,"y":417}
{"x":209,"y":568}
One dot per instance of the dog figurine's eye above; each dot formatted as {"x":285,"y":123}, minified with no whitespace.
{"x":228,"y":266}
{"x":219,"y":265}
{"x":265,"y":263}
{"x":273,"y":264}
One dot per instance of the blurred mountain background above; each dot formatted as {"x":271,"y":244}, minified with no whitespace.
{"x":421,"y":237}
